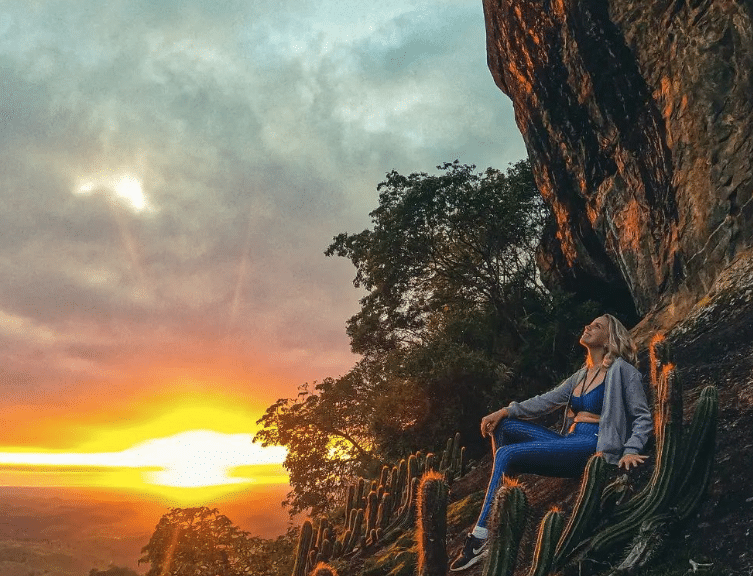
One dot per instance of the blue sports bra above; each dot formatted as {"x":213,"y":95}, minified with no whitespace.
{"x":589,"y":402}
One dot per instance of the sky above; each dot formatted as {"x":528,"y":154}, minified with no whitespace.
{"x":170,"y":176}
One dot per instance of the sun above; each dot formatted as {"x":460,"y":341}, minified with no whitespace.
{"x":186,"y":466}
{"x":126,"y":187}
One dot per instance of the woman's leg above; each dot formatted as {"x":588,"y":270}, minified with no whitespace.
{"x":510,"y":432}
{"x":526,"y":447}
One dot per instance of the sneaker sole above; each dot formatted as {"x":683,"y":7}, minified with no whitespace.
{"x":471,"y":562}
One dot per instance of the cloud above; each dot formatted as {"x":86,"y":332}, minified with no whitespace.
{"x":250,"y":134}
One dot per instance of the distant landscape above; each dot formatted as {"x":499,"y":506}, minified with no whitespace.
{"x":67,"y":532}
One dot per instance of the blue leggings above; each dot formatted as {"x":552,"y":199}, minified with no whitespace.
{"x":521,"y":446}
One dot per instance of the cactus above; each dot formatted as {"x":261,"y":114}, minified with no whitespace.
{"x":302,"y":551}
{"x":613,"y":495}
{"x":431,"y":462}
{"x":325,"y":554}
{"x":446,"y":456}
{"x":399,"y":488}
{"x":412,"y":469}
{"x":344,"y":544}
{"x":372,"y":508}
{"x":454,"y":457}
{"x":311,"y":562}
{"x":383,"y":514}
{"x":668,"y":412}
{"x":699,"y":456}
{"x":350,"y":502}
{"x":356,"y":532}
{"x":586,"y":509}
{"x":508,"y":522}
{"x":359,"y":496}
{"x":420,"y":461}
{"x":337,"y":549}
{"x":663,"y":484}
{"x":323,"y":569}
{"x":461,"y":462}
{"x":432,"y":525}
{"x":648,"y":543}
{"x":550,"y":530}
{"x":384,"y":475}
{"x":323,"y":524}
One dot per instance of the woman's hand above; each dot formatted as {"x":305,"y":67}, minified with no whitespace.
{"x":490,"y":421}
{"x":630,"y":460}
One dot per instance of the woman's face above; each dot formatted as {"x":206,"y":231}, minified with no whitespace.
{"x":596,"y":334}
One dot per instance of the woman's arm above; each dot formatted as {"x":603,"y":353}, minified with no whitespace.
{"x":544,"y":403}
{"x":637,"y":408}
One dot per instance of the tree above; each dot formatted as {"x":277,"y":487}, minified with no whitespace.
{"x":455,"y":321}
{"x":203,"y":542}
{"x":458,"y":240}
{"x":328,"y":434}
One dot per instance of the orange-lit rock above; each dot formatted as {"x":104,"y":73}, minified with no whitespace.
{"x":638,"y":120}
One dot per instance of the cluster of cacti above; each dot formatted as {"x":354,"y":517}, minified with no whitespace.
{"x":453,"y":458}
{"x":432,"y":524}
{"x":376,"y":510}
{"x":314,"y":547}
{"x":601,"y":520}
{"x":682,"y":470}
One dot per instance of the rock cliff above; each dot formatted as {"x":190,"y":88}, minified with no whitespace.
{"x":638,"y":119}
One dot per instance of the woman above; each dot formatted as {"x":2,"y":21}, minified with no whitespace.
{"x":606,"y":412}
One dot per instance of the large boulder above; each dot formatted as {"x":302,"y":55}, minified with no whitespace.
{"x":638,"y":119}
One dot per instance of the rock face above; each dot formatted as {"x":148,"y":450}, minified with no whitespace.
{"x":638,"y":119}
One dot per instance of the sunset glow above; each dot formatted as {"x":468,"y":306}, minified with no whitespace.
{"x":184,"y":466}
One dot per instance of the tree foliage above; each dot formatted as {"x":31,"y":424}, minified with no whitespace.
{"x":328,"y":433}
{"x":454,"y":321}
{"x":203,"y":542}
{"x":453,"y":241}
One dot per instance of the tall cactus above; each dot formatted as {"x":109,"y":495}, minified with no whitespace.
{"x":349,"y":502}
{"x":585,"y":512}
{"x":302,"y":551}
{"x":508,"y":522}
{"x":668,"y":420}
{"x":550,"y":530}
{"x":699,"y":455}
{"x":432,"y":525}
{"x":663,"y":484}
{"x":355,"y":533}
{"x":431,"y":461}
{"x":372,"y":509}
{"x":359,"y":496}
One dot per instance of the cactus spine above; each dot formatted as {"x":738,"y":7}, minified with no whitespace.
{"x":302,"y":552}
{"x":550,"y":530}
{"x":508,"y":522}
{"x":586,"y":508}
{"x":432,"y":525}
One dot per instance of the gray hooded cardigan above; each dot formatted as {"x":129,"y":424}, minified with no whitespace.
{"x":625,"y":423}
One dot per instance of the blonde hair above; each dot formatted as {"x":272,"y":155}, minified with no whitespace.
{"x":620,"y":343}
